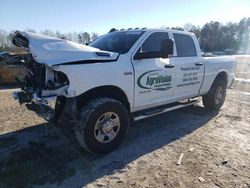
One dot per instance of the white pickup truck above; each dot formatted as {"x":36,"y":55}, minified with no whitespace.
{"x":121,"y":76}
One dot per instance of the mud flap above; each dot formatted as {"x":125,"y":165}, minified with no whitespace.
{"x":69,"y":108}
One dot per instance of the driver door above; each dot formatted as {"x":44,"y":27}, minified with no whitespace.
{"x":154,"y":77}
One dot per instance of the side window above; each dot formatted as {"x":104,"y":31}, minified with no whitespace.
{"x":153,"y":42}
{"x":184,"y":45}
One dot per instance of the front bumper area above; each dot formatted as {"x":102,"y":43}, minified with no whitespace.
{"x":43,"y":107}
{"x":24,"y":97}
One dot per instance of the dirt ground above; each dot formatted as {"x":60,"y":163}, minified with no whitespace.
{"x":215,"y":148}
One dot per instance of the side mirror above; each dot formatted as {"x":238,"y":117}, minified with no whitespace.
{"x":166,"y":49}
{"x":1,"y":58}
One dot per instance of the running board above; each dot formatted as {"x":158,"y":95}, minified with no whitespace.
{"x":164,"y":110}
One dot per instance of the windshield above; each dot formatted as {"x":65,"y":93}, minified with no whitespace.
{"x":119,"y":41}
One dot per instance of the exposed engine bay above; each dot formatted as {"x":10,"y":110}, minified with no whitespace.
{"x":41,"y":82}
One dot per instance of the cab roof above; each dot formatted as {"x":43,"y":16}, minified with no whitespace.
{"x":151,"y":30}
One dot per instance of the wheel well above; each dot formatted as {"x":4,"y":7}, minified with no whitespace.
{"x":222,"y":76}
{"x":103,"y":91}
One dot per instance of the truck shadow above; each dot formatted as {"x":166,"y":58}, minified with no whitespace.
{"x":30,"y":156}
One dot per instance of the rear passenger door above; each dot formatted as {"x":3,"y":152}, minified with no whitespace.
{"x":188,"y":66}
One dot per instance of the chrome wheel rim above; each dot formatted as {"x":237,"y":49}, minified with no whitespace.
{"x":219,"y":95}
{"x":107,"y":127}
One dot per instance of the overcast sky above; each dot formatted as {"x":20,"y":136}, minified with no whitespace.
{"x":99,"y":16}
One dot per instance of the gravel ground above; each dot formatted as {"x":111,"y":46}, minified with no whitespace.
{"x":215,"y":149}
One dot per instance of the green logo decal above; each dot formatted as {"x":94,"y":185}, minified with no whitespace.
{"x":154,"y":80}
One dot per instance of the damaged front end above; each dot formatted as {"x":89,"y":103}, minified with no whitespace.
{"x":42,"y":83}
{"x":50,"y":69}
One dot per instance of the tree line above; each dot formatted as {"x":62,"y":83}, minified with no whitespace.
{"x":213,"y":36}
{"x":78,"y":37}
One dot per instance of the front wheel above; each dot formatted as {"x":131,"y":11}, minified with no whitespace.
{"x":216,"y":96}
{"x":103,"y":125}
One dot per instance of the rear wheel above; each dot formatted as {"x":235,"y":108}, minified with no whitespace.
{"x":103,"y":125}
{"x":216,"y":96}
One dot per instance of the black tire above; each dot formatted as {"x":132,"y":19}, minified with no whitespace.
{"x":86,"y":132}
{"x":211,"y":100}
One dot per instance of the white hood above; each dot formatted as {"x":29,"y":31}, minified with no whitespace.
{"x":53,"y":51}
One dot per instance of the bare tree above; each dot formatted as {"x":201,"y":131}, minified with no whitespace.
{"x":94,"y":36}
{"x":48,"y":32}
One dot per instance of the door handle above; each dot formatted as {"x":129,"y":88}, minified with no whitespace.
{"x":169,"y":66}
{"x":199,"y":64}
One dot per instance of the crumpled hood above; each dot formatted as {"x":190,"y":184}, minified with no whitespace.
{"x":53,"y":51}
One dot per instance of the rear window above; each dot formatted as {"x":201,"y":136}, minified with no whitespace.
{"x":184,"y":45}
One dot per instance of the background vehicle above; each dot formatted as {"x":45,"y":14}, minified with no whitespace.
{"x":3,"y":55}
{"x":124,"y":74}
{"x":13,"y":66}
